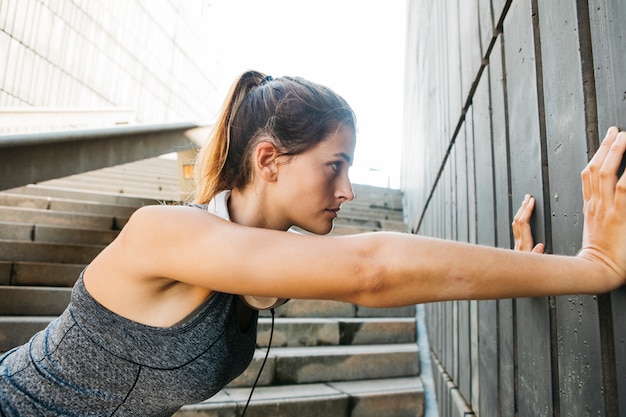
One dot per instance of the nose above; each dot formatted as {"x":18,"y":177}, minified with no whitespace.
{"x":344,"y":190}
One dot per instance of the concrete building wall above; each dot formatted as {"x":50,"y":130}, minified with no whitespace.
{"x":504,"y":98}
{"x":141,"y":61}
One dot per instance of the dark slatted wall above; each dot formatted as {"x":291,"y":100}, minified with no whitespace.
{"x":506,"y":98}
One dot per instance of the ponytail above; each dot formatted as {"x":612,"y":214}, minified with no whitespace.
{"x":293,"y":113}
{"x":212,"y":157}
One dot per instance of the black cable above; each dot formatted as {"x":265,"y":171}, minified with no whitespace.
{"x":267,"y":353}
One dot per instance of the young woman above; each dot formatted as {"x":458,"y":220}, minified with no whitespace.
{"x":156,"y":320}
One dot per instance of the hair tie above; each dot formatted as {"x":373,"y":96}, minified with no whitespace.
{"x":266,"y":79}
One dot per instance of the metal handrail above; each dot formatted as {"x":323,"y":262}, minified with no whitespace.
{"x":35,"y":157}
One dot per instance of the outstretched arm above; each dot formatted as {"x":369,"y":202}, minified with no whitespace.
{"x":378,"y":269}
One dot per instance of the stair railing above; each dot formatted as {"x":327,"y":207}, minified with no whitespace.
{"x":34,"y":157}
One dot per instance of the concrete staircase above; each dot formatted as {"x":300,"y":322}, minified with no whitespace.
{"x":327,"y":358}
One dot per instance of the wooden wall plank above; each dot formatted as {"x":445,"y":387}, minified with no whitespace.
{"x":464,"y":379}
{"x":472,"y":228}
{"x":483,"y":192}
{"x":534,"y":365}
{"x":507,"y":354}
{"x":471,"y":47}
{"x":500,"y":8}
{"x":471,"y":175}
{"x":608,"y":33}
{"x":579,"y":351}
{"x":487,"y":25}
{"x":486,"y":399}
{"x":451,"y":19}
{"x":503,"y":217}
{"x":462,"y":374}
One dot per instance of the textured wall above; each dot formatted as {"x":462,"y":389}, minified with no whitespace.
{"x":506,"y":98}
{"x":145,"y":55}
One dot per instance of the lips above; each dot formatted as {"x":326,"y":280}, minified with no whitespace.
{"x":333,"y":211}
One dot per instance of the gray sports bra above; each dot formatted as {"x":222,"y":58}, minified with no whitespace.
{"x":91,"y":361}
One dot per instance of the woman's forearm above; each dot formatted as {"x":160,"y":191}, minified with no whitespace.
{"x":417,"y":269}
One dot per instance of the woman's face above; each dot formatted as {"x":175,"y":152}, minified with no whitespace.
{"x":312,"y":185}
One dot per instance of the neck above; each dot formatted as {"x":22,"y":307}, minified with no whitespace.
{"x":248,"y":207}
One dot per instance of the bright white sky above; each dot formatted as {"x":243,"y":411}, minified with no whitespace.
{"x":355,"y":47}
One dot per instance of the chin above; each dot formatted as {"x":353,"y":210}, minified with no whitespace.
{"x":319,"y":229}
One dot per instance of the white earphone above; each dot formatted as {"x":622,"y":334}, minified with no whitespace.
{"x":263,"y":303}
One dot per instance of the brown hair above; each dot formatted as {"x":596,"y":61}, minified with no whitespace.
{"x":293,"y":112}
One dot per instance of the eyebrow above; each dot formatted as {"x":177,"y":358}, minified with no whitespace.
{"x":344,"y":156}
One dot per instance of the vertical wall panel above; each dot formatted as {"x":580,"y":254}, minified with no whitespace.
{"x":472,"y":229}
{"x":487,"y":320}
{"x":579,"y":352}
{"x":450,"y":18}
{"x":505,"y":318}
{"x":608,"y":34}
{"x":463,"y":177}
{"x":471,"y":46}
{"x":550,"y":82}
{"x":533,"y":315}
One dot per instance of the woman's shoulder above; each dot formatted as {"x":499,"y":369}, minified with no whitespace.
{"x":158,"y":212}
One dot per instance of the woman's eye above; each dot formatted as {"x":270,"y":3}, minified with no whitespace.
{"x":335,"y":166}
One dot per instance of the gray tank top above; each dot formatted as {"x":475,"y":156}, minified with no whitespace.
{"x":92,"y":362}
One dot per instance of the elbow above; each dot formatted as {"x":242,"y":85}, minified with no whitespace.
{"x":372,"y":272}
{"x":373,"y":289}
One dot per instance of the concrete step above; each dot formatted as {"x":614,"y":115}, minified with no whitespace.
{"x":364,"y":205}
{"x":136,"y":178}
{"x":297,"y":332}
{"x":360,"y":225}
{"x":370,"y":214}
{"x":33,"y":301}
{"x":152,"y":168}
{"x":146,"y":170}
{"x":42,"y":233}
{"x":394,"y":226}
{"x":333,"y":309}
{"x":359,"y":222}
{"x":379,"y":197}
{"x":300,"y":365}
{"x":15,"y":331}
{"x":39,"y":274}
{"x":165,"y":193}
{"x":17,"y":251}
{"x":351,"y":230}
{"x":48,"y":190}
{"x":58,"y":218}
{"x":389,"y":397}
{"x":64,"y":204}
{"x":119,"y":182}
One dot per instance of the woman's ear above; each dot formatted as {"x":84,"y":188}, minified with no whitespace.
{"x":265,"y":154}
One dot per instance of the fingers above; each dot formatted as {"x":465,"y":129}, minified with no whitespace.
{"x":522,"y":233}
{"x":608,"y":171}
{"x":620,"y":191}
{"x":539,"y":248}
{"x":605,"y":160}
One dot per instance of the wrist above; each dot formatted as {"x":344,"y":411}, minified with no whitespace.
{"x":600,"y":274}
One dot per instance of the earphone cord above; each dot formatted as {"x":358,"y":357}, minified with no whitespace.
{"x":243,"y":413}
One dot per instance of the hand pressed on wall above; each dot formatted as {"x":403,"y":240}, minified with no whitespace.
{"x":522,"y":233}
{"x":604,"y":195}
